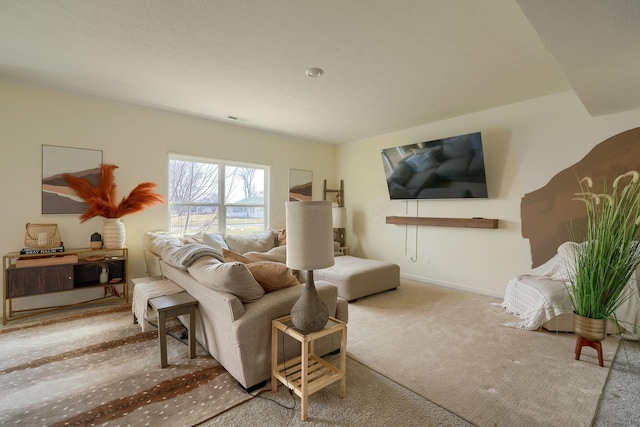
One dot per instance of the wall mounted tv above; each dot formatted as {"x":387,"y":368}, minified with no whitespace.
{"x":448,"y":168}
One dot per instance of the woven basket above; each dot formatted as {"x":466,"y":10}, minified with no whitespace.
{"x":42,"y":236}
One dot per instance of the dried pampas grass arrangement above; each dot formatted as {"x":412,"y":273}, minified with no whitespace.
{"x":102,"y":199}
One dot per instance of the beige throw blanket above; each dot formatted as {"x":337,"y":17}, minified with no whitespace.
{"x":183,"y":256}
{"x":143,"y":292}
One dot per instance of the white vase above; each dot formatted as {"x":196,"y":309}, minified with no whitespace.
{"x":104,"y":275}
{"x":113,"y":233}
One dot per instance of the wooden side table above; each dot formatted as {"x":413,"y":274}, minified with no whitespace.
{"x":169,"y":306}
{"x":315,"y":373}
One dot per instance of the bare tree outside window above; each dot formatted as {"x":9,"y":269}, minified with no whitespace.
{"x":246,"y":176}
{"x":196,"y":204}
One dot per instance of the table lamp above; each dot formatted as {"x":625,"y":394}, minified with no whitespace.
{"x":339,"y":223}
{"x":309,"y":247}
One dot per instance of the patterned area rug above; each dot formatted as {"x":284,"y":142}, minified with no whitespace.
{"x":97,"y":367}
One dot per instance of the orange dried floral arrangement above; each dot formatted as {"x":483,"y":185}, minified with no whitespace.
{"x":102,"y":198}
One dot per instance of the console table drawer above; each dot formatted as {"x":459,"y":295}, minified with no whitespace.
{"x":22,"y":282}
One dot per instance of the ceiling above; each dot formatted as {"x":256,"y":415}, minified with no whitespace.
{"x":388,"y":65}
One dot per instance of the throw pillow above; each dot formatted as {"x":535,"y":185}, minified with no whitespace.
{"x":254,"y":242}
{"x":215,"y":240}
{"x":231,"y":277}
{"x":230,"y":256}
{"x":282,"y":237}
{"x":277,"y":254}
{"x":272,"y":275}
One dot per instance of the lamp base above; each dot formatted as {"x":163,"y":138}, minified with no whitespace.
{"x":309,"y":313}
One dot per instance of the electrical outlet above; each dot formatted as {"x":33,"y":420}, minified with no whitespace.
{"x":427,"y":260}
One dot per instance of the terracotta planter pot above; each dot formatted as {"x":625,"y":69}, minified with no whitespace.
{"x":588,"y":328}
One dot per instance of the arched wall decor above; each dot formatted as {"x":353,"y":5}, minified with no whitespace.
{"x":547,"y":213}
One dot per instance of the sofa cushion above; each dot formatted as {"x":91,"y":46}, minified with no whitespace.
{"x":272,"y":275}
{"x":231,"y":277}
{"x":253,"y":242}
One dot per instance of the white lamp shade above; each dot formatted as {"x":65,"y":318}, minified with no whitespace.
{"x":339,"y":217}
{"x":309,"y":235}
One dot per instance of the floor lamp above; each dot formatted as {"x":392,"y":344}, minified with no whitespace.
{"x":309,"y":247}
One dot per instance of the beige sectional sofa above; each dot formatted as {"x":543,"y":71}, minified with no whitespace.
{"x":234,"y":313}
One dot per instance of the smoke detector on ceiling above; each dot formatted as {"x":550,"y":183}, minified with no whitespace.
{"x":314,"y":72}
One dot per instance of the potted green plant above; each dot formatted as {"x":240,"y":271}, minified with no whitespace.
{"x":608,"y":256}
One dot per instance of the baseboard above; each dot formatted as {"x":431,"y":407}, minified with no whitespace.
{"x":451,"y":286}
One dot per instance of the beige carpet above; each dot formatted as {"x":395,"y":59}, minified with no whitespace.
{"x":97,"y":368}
{"x":451,"y":348}
{"x":371,"y":401}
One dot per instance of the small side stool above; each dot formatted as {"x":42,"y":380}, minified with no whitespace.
{"x":597,"y":345}
{"x":169,"y":306}
{"x":308,"y":373}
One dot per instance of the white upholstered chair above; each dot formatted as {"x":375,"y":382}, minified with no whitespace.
{"x":543,"y":300}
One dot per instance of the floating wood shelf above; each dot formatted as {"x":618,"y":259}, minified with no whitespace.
{"x":444,"y":222}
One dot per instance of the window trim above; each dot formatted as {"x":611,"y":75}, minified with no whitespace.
{"x":221,"y":205}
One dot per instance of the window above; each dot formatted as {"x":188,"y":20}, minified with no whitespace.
{"x":207,"y":195}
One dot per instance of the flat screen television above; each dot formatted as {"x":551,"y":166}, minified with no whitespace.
{"x":448,"y":168}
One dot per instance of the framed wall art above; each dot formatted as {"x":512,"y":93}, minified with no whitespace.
{"x":57,"y":196}
{"x":300,"y":185}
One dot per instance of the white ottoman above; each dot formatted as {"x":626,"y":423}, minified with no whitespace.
{"x":358,"y":277}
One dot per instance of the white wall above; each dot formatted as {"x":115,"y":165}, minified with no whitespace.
{"x":137,"y":139}
{"x":525,"y":145}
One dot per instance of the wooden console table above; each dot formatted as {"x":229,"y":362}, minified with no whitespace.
{"x":83,"y":272}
